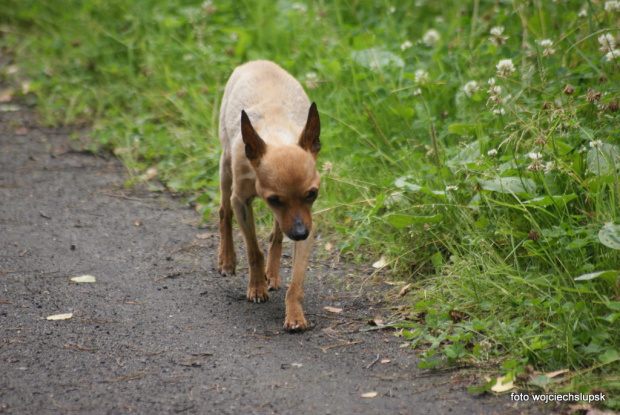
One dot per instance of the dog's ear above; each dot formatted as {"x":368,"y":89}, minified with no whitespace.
{"x":255,"y":147}
{"x":309,"y":139}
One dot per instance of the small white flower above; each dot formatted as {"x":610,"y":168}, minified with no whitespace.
{"x":611,"y":6}
{"x":406,"y":45}
{"x":546,"y":45}
{"x":497,"y":31}
{"x":607,"y":41}
{"x":497,"y":38}
{"x":451,"y":188}
{"x":549,"y":166}
{"x":613,"y":55}
{"x":596,"y":144}
{"x":582,"y":149}
{"x":583,"y":13}
{"x":505,"y":67}
{"x":391,"y":10}
{"x":471,"y":88}
{"x":495,"y":90}
{"x":491,"y":81}
{"x":417,"y":92}
{"x":536,"y":164}
{"x":499,"y":111}
{"x":492,"y":153}
{"x":421,"y":76}
{"x":431,"y":37}
{"x":535,"y":156}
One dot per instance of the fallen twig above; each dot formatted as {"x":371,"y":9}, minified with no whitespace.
{"x":373,"y":362}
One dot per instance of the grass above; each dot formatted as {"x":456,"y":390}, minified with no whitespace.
{"x":500,"y":204}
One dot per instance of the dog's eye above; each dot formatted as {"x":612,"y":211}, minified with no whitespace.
{"x":274,"y":201}
{"x":312,"y":195}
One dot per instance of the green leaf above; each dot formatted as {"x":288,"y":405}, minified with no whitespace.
{"x":462,"y":129}
{"x":544,"y":201}
{"x":509,"y":185}
{"x":608,"y":356}
{"x":400,"y":221}
{"x":402,"y":183}
{"x":610,"y":235}
{"x":593,"y":275}
{"x":603,"y":160}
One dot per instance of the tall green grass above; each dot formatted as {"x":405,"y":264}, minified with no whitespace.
{"x":500,"y":203}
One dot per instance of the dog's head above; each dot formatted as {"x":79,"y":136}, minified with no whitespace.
{"x":286,"y":176}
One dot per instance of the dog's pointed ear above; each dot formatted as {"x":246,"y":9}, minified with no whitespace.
{"x":255,"y":147}
{"x":309,"y":139}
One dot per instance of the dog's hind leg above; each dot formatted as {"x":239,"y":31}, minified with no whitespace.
{"x":273,"y":256}
{"x":257,"y":286}
{"x":226,"y":258}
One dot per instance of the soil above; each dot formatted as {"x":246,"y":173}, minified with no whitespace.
{"x":160,"y":331}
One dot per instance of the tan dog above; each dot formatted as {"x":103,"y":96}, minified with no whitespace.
{"x":270,"y":142}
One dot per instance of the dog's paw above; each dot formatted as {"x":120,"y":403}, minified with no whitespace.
{"x":226,"y":270}
{"x":258,"y":294}
{"x":295,"y":323}
{"x":274,"y":283}
{"x":226,"y":264}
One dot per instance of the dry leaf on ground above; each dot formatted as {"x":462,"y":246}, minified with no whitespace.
{"x":66,"y":316}
{"x":381,"y":263}
{"x":84,"y":278}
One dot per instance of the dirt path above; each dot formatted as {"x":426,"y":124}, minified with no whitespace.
{"x":160,"y":331}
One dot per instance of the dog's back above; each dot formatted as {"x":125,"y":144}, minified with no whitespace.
{"x":274,"y":101}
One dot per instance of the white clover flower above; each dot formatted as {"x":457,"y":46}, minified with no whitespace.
{"x":451,"y":188}
{"x":492,"y":153}
{"x":607,"y":41}
{"x":536,"y":161}
{"x":596,"y":144}
{"x":431,"y":37}
{"x":471,"y":88}
{"x":583,"y":13}
{"x":546,"y":45}
{"x":495,"y":90}
{"x":496,"y":36}
{"x":535,"y":156}
{"x":611,"y":6}
{"x":405,"y":45}
{"x":417,"y":92}
{"x":499,"y":111}
{"x":613,"y":55}
{"x":421,"y":76}
{"x":497,"y":31}
{"x":505,"y":67}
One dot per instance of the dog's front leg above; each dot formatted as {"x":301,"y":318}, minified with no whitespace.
{"x":273,"y":256}
{"x":295,"y":319}
{"x":257,"y":287}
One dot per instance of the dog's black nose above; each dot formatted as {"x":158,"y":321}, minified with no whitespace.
{"x":299,"y":231}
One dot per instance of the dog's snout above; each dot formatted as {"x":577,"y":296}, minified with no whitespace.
{"x":299,"y":231}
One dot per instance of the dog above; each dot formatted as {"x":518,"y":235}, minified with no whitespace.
{"x":269,"y":133}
